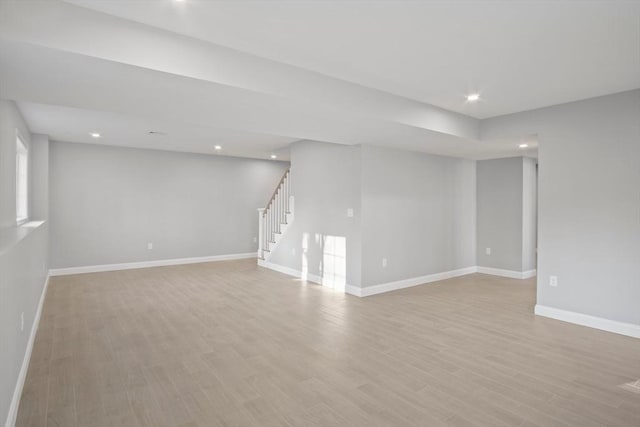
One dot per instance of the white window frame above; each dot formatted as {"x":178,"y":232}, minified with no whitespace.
{"x":22,"y":180}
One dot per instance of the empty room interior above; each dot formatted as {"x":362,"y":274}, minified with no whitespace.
{"x":319,"y":213}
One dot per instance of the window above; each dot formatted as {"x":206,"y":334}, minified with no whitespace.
{"x":22,"y":182}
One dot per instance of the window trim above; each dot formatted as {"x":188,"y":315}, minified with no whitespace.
{"x":22,"y":149}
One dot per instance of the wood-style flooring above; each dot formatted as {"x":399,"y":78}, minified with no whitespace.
{"x":233,"y":344}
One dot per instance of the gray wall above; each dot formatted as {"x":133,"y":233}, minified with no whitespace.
{"x":589,"y":202}
{"x":500,"y":213}
{"x":418,"y":212}
{"x":39,"y":175}
{"x":529,"y":213}
{"x":415,"y":210}
{"x":325,"y":182}
{"x":23,"y":256}
{"x":107,"y":203}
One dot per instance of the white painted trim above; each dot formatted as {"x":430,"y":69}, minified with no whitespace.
{"x":370,"y":290}
{"x":280,"y":268}
{"x":399,"y":284}
{"x":22,"y":376}
{"x":507,"y":273}
{"x":414,"y":281}
{"x":353,"y":290}
{"x":146,"y":264}
{"x":622,"y":328}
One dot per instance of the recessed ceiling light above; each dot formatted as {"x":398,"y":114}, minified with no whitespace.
{"x":523,"y":145}
{"x":218,"y":147}
{"x":95,"y":135}
{"x":473,"y":97}
{"x":273,"y":156}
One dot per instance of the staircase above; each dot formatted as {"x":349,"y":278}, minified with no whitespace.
{"x":274,"y":219}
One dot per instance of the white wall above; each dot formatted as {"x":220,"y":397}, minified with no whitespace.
{"x":107,"y":203}
{"x":589,"y":202}
{"x":23,"y":254}
{"x":418,"y":212}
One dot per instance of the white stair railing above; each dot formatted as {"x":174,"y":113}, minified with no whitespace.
{"x":273,"y":218}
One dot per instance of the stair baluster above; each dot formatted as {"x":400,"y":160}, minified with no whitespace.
{"x":274,"y":216}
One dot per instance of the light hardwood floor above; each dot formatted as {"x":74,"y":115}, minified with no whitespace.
{"x":229,"y":343}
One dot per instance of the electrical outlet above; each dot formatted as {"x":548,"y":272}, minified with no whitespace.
{"x":350,"y":212}
{"x":293,"y":251}
{"x":149,"y":246}
{"x":384,"y":263}
{"x":255,"y":240}
{"x":22,"y":321}
{"x":553,"y":281}
{"x":487,"y":251}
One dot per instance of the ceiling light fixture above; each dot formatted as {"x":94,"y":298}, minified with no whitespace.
{"x":218,"y":147}
{"x":95,"y":135}
{"x":523,"y":145}
{"x":473,"y":97}
{"x":273,"y":156}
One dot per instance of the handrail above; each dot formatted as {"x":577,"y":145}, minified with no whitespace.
{"x":276,"y":191}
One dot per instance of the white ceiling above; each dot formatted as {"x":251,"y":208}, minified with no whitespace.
{"x":255,"y":76}
{"x":73,"y":124}
{"x":519,"y":55}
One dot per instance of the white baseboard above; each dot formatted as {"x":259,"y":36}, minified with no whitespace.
{"x":280,"y":269}
{"x":353,"y":290}
{"x":399,"y":284}
{"x":371,"y":290}
{"x":622,"y":328}
{"x":146,"y":264}
{"x":324,"y":281}
{"x":414,"y":281}
{"x":22,"y":376}
{"x":507,"y":273}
